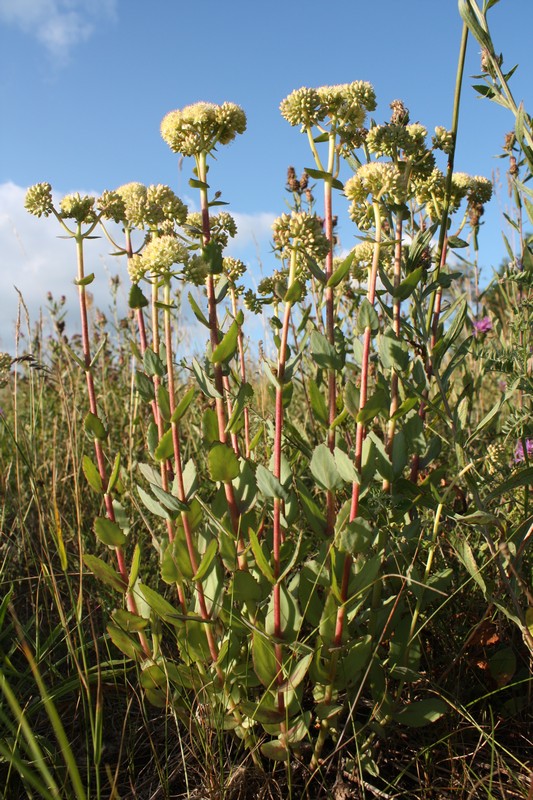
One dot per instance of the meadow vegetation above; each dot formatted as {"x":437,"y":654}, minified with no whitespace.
{"x":228,"y":575}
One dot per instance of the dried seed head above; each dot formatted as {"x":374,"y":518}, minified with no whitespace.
{"x":510,"y":141}
{"x":400,"y":114}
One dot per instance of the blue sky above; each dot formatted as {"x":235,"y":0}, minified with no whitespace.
{"x":84,"y":86}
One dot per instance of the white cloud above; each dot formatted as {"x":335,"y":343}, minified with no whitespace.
{"x":59,"y":25}
{"x":253,"y":231}
{"x":36,"y":261}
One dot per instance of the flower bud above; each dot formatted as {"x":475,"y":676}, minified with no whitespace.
{"x":81,"y":209}
{"x":39,"y":200}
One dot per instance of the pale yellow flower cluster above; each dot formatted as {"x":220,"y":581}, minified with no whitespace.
{"x":199,"y":127}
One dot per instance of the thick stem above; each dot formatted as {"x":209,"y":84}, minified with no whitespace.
{"x":396,"y":324}
{"x":217,"y":369}
{"x":278,"y":438}
{"x":178,"y":469}
{"x":354,"y":509}
{"x":99,"y":451}
{"x":242,"y":366}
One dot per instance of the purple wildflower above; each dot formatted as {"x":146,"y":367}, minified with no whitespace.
{"x":519,"y":454}
{"x":482,"y":325}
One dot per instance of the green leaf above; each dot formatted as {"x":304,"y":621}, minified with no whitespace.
{"x":290,"y":615}
{"x":212,"y":255}
{"x":115,"y":472}
{"x":345,"y":466}
{"x":161,"y":607}
{"x":355,"y":537}
{"x":108,"y":532}
{"x":352,"y":398}
{"x":152,"y":505}
{"x":163,"y":402}
{"x":319,"y":174}
{"x":269,"y":485}
{"x":264,"y":658}
{"x":393,"y":351}
{"x":275,"y":750}
{"x":324,"y":352}
{"x":104,"y":572}
{"x":315,"y":270}
{"x":226,"y":348}
{"x":127,"y":621}
{"x":94,"y":426}
{"x":294,"y":292}
{"x":367,"y":318}
{"x":135,"y":567}
{"x":377,"y":404}
{"x":318,"y":403}
{"x":456,"y":243}
{"x":144,"y":386}
{"x":223,"y":464}
{"x":136,"y":297}
{"x":245,"y":393}
{"x":205,"y":384}
{"x":260,"y":558}
{"x":85,"y":281}
{"x":183,"y":405}
{"x":210,"y":426}
{"x":152,"y":364}
{"x":421,"y":712}
{"x":324,"y":468}
{"x":168,"y":500}
{"x":207,"y":560}
{"x":196,"y":184}
{"x":165,"y":447}
{"x":197,"y":311}
{"x":466,"y":556}
{"x":90,"y":470}
{"x":125,"y":643}
{"x":245,"y":588}
{"x":341,"y":271}
{"x":298,"y":672}
{"x":408,"y":285}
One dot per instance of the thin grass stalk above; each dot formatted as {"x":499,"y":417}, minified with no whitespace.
{"x":32,"y":746}
{"x":433,"y":313}
{"x":53,"y":716}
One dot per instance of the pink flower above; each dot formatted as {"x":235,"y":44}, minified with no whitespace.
{"x":519,"y":454}
{"x":482,"y":325}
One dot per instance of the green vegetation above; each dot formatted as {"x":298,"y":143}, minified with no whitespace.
{"x":304,"y":577}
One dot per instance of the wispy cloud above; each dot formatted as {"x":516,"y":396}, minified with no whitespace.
{"x":59,"y":25}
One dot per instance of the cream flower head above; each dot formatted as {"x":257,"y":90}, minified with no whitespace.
{"x":39,"y":200}
{"x":199,"y":127}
